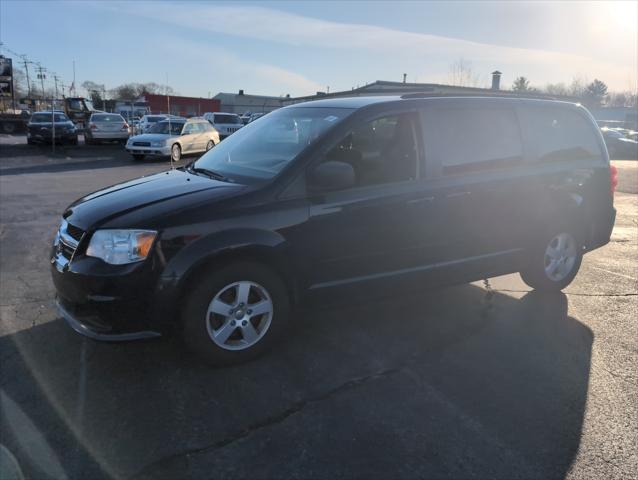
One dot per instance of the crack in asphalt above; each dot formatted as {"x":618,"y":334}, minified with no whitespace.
{"x":298,"y":406}
{"x":271,"y":420}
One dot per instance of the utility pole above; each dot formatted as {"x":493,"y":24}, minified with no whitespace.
{"x":26,"y":69}
{"x":41,"y":77}
{"x":55,"y":80}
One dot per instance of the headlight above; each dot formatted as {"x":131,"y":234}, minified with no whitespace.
{"x":119,"y":247}
{"x":161,"y":143}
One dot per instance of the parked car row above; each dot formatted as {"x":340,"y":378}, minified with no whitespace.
{"x":622,"y":143}
{"x":152,"y":135}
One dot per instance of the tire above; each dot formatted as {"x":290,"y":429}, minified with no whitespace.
{"x":210,"y":145}
{"x":8,"y":127}
{"x":228,"y":338}
{"x":138,"y":158}
{"x":88,"y":140}
{"x":30,"y":142}
{"x":176,"y":152}
{"x":554,"y":264}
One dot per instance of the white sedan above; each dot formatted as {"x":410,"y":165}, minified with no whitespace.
{"x":174,"y":138}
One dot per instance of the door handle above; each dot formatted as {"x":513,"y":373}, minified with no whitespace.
{"x":417,"y":201}
{"x":457,"y":194}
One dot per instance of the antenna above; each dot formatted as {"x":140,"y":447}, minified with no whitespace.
{"x":170,"y":130}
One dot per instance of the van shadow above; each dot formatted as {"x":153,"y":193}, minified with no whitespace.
{"x":448,"y":383}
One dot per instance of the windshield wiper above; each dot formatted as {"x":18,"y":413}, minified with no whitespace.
{"x":211,"y":174}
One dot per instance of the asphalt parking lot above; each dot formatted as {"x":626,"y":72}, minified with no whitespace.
{"x":484,"y":380}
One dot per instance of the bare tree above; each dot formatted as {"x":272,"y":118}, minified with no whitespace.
{"x":558,"y":89}
{"x":95,"y":91}
{"x":618,"y":99}
{"x":462,"y":74}
{"x":577,"y":87}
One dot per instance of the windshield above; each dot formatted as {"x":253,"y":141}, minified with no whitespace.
{"x":264,"y":147}
{"x":89,"y":104}
{"x":154,"y":119}
{"x":163,"y":127}
{"x":222,"y":118}
{"x":46,"y":118}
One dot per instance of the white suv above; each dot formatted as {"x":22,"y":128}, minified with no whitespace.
{"x":147,"y":121}
{"x":225,"y":123}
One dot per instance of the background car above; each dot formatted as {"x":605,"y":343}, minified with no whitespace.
{"x":40,"y":128}
{"x":106,"y":127}
{"x":147,"y":121}
{"x":225,"y":123}
{"x":621,"y":143}
{"x":133,"y":125}
{"x":173,"y":138}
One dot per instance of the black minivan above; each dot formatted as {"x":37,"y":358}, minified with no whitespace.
{"x":349,"y":196}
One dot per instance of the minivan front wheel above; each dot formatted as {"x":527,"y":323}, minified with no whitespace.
{"x":235,"y":313}
{"x":554,"y":265}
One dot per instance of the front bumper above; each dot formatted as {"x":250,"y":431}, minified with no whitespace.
{"x":157,"y":151}
{"x":92,"y":326}
{"x":105,"y":302}
{"x":46,"y":137}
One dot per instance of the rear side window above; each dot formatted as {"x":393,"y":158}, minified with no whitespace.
{"x":558,"y":134}
{"x":473,"y":139}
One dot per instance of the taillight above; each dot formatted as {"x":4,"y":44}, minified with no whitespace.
{"x":613,"y":177}
{"x":93,"y":126}
{"x":125,"y":127}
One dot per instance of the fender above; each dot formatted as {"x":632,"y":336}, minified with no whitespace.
{"x":252,"y":243}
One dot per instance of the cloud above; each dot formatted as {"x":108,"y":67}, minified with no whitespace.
{"x":216,"y":65}
{"x":414,"y":49}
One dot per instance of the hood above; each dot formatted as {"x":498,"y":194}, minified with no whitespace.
{"x":152,"y":137}
{"x":104,"y":205}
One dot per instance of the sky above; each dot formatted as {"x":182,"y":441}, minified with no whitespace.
{"x":277,"y":48}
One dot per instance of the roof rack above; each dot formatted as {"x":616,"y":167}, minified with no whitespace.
{"x":497,"y":93}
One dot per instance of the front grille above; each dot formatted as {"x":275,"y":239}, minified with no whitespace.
{"x":66,"y":250}
{"x":141,"y":144}
{"x":74,"y":232}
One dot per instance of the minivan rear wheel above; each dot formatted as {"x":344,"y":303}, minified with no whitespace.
{"x":235,"y":313}
{"x":555,"y":263}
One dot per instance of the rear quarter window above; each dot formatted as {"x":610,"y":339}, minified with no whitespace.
{"x":556,"y":134}
{"x":462,"y":139}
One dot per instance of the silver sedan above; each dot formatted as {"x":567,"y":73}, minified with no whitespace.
{"x":106,"y":126}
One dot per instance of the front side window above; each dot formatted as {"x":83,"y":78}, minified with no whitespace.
{"x":227,"y":119}
{"x":463,"y":139}
{"x":262,"y":149}
{"x":380,"y":151}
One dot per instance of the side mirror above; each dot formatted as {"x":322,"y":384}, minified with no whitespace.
{"x":332,"y":175}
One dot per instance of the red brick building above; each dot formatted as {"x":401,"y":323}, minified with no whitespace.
{"x":182,"y":106}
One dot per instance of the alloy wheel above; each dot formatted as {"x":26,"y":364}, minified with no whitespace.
{"x":239,"y":315}
{"x":560,"y":256}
